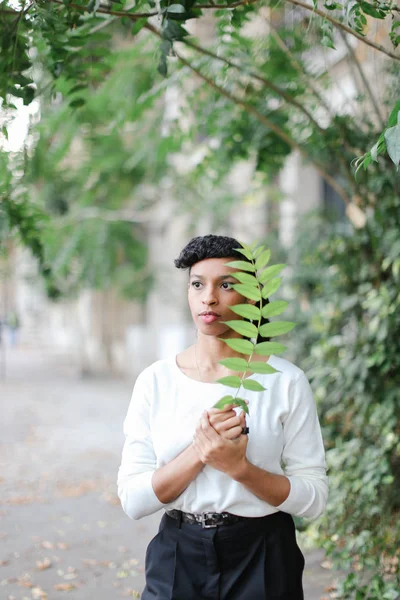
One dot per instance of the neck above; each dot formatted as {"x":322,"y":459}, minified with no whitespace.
{"x":210,"y":350}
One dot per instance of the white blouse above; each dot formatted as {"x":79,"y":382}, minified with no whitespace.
{"x":284,"y":438}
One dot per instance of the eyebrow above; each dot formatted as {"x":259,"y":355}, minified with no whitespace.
{"x":221,"y":277}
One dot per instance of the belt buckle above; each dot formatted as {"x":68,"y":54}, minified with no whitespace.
{"x":204,"y":518}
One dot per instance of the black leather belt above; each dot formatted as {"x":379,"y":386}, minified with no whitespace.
{"x":207,"y":519}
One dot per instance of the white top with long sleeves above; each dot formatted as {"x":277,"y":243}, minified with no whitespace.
{"x":284,"y":438}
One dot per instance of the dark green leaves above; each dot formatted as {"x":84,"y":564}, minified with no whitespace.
{"x":392,"y":139}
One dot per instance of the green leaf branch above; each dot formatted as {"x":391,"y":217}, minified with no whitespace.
{"x":257,"y":283}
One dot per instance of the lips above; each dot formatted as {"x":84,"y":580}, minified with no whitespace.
{"x":209,"y":317}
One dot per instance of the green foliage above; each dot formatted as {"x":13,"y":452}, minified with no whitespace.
{"x":388,"y":141}
{"x":351,"y":285}
{"x":253,"y":326}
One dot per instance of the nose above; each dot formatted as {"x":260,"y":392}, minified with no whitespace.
{"x":209,"y":298}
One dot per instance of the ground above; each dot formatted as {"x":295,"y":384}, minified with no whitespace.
{"x":62,"y":530}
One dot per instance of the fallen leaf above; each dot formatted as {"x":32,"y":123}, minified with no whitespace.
{"x":122,"y":574}
{"x":62,"y":546}
{"x":38,"y":593}
{"x":43,"y":564}
{"x":48,"y":545}
{"x":25,"y":581}
{"x":64,"y":587}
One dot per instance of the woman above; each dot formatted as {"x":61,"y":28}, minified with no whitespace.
{"x":227,"y":532}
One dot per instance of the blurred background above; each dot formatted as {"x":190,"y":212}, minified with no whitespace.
{"x":126,"y":130}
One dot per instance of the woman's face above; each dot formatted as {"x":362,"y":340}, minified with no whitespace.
{"x":210,"y":293}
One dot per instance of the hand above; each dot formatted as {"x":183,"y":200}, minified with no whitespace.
{"x":224,"y":455}
{"x":226,"y":422}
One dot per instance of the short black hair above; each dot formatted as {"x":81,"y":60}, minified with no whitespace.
{"x":208,"y":246}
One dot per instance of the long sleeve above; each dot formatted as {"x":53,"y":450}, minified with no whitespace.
{"x":303,"y":454}
{"x":138,"y":463}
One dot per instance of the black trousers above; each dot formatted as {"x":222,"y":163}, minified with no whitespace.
{"x":255,"y":559}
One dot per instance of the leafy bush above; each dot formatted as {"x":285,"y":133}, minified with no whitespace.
{"x":351,"y":283}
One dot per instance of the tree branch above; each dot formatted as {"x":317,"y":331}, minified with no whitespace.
{"x":335,"y":22}
{"x":111,"y":216}
{"x":343,"y":27}
{"x":266,"y":82}
{"x":364,"y":80}
{"x":134,"y":16}
{"x":289,"y":99}
{"x":270,"y":125}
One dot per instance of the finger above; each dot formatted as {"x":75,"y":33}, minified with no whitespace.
{"x":226,"y":408}
{"x":229,"y":423}
{"x":214,"y":419}
{"x":232,"y":433}
{"x":221,"y":415}
{"x":208,"y":429}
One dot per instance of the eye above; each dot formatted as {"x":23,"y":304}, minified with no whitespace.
{"x":228,"y":285}
{"x":196,"y":284}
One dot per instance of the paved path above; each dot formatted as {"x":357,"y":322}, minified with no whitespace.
{"x":62,"y":530}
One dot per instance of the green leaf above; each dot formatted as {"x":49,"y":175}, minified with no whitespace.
{"x":138,"y":25}
{"x":230,"y":381}
{"x":267,"y":348}
{"x":252,"y":384}
{"x":77,"y":103}
{"x":257,"y":366}
{"x":263,"y":259}
{"x":245,"y":278}
{"x":257,"y":250}
{"x":392,"y":139}
{"x":271,"y":287}
{"x":243,"y":327}
{"x":234,"y":363}
{"x":270,"y":272}
{"x":242,"y":346}
{"x":243,"y":404}
{"x":248,"y":311}
{"x":245,"y":251}
{"x":93,"y":5}
{"x":272,"y":309}
{"x":242,"y":265}
{"x":394,"y":115}
{"x":247,"y":291}
{"x":224,"y":401}
{"x":176,"y":8}
{"x":277,"y":328}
